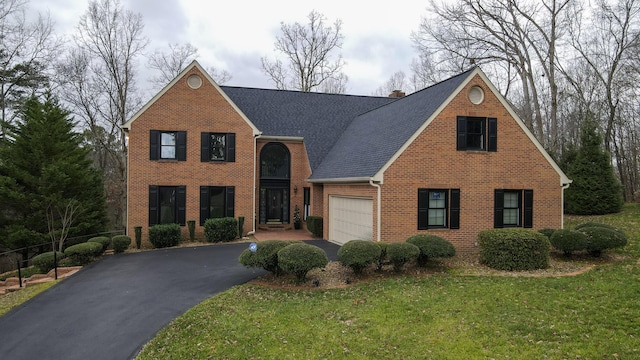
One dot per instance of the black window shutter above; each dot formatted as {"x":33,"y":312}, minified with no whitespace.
{"x":205,"y":147}
{"x":205,"y":197}
{"x":462,"y":133}
{"x":154,"y":147}
{"x":454,"y":209}
{"x":231,"y":147}
{"x":528,"y":208}
{"x":181,"y":204}
{"x":230,"y":200}
{"x":498,"y":209}
{"x":153,"y":205}
{"x":181,"y":146}
{"x":493,"y":135}
{"x":423,"y":208}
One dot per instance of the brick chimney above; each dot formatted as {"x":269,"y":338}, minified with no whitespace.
{"x":397,"y":94}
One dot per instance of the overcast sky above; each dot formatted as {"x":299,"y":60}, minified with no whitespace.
{"x":235,"y":35}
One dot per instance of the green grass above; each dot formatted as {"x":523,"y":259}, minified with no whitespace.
{"x":446,"y":316}
{"x":11,"y":300}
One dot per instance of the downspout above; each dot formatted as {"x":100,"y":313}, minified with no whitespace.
{"x":379,"y":217}
{"x":564,"y":187}
{"x":253,"y":196}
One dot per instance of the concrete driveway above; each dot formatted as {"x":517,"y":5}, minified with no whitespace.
{"x":111,"y":308}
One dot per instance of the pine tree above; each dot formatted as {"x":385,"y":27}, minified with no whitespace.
{"x":595,"y":189}
{"x":43,"y":169}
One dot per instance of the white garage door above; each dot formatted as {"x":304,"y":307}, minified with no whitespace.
{"x":350,"y":219}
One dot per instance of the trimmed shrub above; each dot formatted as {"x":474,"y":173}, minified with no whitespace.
{"x":547,"y":232}
{"x":514,"y":249}
{"x":431,"y":246}
{"x":221,"y":229}
{"x":102,"y":240}
{"x":44,"y":262}
{"x":568,"y":241}
{"x":120,"y":243}
{"x":402,"y":253}
{"x":164,"y":235}
{"x":82,"y":254}
{"x":383,"y":255}
{"x":595,"y":224}
{"x":265,"y":256}
{"x":299,"y":258}
{"x":602,"y":238}
{"x":358,"y":254}
{"x":314,"y":225}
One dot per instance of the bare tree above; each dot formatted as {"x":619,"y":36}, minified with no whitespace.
{"x":64,"y":216}
{"x":27,"y":49}
{"x":308,"y":52}
{"x":219,"y":76}
{"x":397,"y":81}
{"x":170,"y":64}
{"x":99,"y":82}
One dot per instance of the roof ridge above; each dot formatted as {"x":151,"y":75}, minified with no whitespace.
{"x":301,"y":92}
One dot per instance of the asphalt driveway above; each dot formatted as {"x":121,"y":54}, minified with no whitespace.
{"x":111,"y":308}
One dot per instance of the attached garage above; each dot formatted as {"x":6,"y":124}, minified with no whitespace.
{"x":350,"y":218}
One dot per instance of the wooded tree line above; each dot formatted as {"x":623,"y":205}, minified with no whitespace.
{"x":558,"y":62}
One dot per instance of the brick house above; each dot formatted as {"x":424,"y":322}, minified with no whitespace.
{"x":452,"y":159}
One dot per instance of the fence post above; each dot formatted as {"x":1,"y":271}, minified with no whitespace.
{"x":19,"y":274}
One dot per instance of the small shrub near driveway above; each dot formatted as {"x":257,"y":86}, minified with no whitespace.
{"x":83,"y":254}
{"x":165,"y":235}
{"x":359,"y":254}
{"x":265,"y":256}
{"x":44,"y":262}
{"x":514,"y":249}
{"x":102,"y":240}
{"x":120,"y":243}
{"x":221,"y":229}
{"x":402,"y":253}
{"x":314,"y":225}
{"x":568,"y":241}
{"x":603,"y":238}
{"x":300,"y":258}
{"x":431,"y":247}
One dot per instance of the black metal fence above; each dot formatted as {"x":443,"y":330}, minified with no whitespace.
{"x":15,"y":260}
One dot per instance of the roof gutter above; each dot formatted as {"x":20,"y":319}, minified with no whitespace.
{"x":343,"y":180}
{"x":281,"y":138}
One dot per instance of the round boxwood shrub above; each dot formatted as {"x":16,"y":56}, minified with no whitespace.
{"x":221,"y":229}
{"x":84,"y":253}
{"x":568,"y":241}
{"x":102,"y":240}
{"x":358,"y":254}
{"x":299,"y":258}
{"x":165,"y":235}
{"x":120,"y":243}
{"x":514,"y":249}
{"x":402,"y":253}
{"x":431,"y":246}
{"x":44,"y":262}
{"x":265,"y":256}
{"x":547,"y":232}
{"x":603,"y":238}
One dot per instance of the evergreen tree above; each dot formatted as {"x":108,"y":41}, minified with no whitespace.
{"x":595,"y":189}
{"x":44,"y":170}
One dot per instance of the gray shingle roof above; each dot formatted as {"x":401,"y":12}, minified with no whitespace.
{"x":374,"y":137}
{"x":319,"y":118}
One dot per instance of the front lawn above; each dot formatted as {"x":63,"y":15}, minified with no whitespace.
{"x":442,"y":316}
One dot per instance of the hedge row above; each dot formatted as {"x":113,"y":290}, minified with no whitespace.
{"x":514,"y":249}
{"x":278,"y":256}
{"x":590,"y":236}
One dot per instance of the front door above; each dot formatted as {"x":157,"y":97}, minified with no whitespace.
{"x":274,"y":205}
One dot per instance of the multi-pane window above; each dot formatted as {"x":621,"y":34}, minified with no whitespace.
{"x":167,"y":205}
{"x":168,"y":145}
{"x":477,"y":133}
{"x":511,"y":212}
{"x":216,"y":202}
{"x":438,"y":208}
{"x":513,"y":208}
{"x":218,"y":147}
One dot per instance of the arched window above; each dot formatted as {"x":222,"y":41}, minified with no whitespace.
{"x":275,"y":162}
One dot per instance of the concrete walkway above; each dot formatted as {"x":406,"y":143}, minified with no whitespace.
{"x":111,"y":308}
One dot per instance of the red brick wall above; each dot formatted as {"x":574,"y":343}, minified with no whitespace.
{"x":181,"y":108}
{"x":432,"y":161}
